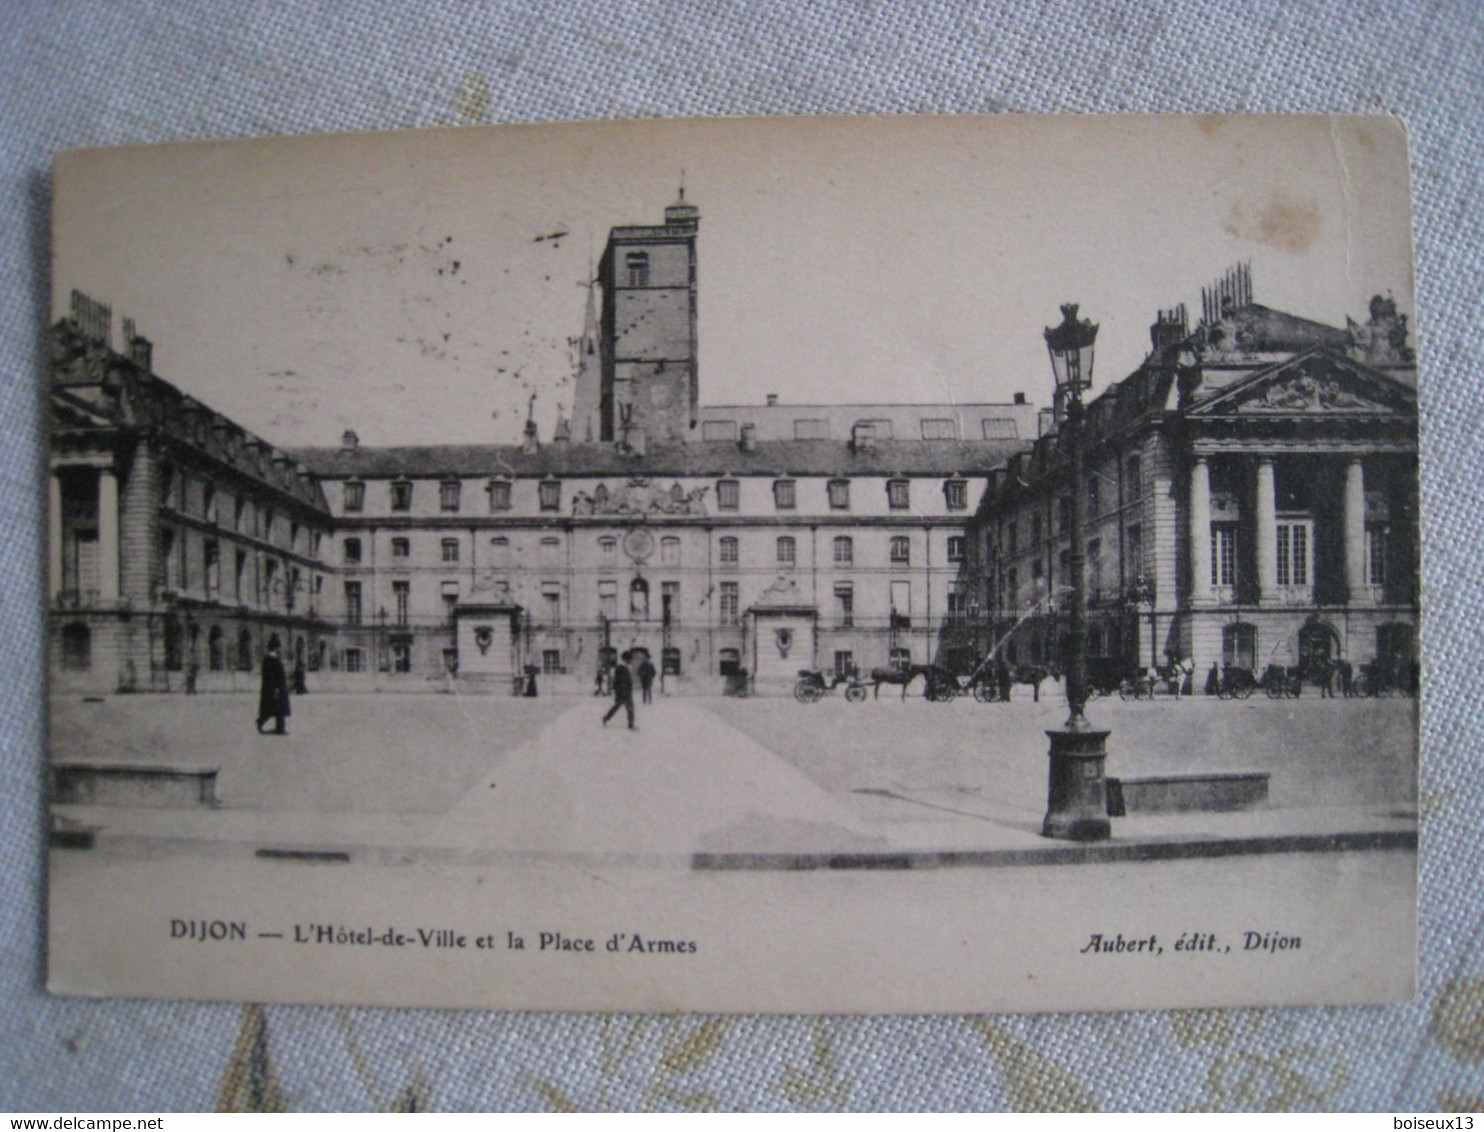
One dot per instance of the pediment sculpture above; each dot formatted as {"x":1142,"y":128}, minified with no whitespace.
{"x":640,"y":497}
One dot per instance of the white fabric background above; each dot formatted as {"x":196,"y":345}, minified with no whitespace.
{"x":93,"y":72}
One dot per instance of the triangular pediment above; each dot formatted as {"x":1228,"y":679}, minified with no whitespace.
{"x":72,"y":411}
{"x":1318,"y":382}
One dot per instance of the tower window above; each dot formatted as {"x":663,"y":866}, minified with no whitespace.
{"x":637,"y":266}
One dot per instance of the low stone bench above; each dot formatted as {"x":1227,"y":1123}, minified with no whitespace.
{"x":1184,"y":793}
{"x":133,"y":784}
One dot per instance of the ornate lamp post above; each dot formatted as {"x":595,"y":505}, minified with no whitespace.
{"x":1077,"y":798}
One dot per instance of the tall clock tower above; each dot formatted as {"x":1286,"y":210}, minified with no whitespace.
{"x":648,"y":373}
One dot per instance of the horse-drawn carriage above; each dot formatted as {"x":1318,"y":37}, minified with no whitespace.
{"x":813,"y":685}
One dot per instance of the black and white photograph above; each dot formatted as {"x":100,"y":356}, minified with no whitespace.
{"x":760,"y":565}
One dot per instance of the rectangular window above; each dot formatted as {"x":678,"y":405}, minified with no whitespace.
{"x":787,"y":551}
{"x":729,"y":603}
{"x":1094,"y":578}
{"x":727,"y":551}
{"x":212,"y":560}
{"x":727,"y":495}
{"x":500,"y":553}
{"x":448,"y":495}
{"x":844,"y":663}
{"x":353,"y":499}
{"x":401,"y":496}
{"x":718,"y":430}
{"x":402,"y":596}
{"x":783,"y":495}
{"x":637,"y":266}
{"x":608,"y":551}
{"x":608,"y":600}
{"x":956,"y":494}
{"x":551,"y":495}
{"x":1000,"y":428}
{"x":880,"y":427}
{"x":1133,"y":547}
{"x":955,"y":548}
{"x":450,"y":548}
{"x":354,"y":661}
{"x":551,"y":662}
{"x":450,"y":594}
{"x":957,"y":605}
{"x":1223,"y":554}
{"x":352,"y":551}
{"x":811,"y":428}
{"x":352,"y":603}
{"x":844,"y":551}
{"x":401,"y":657}
{"x":939,"y":428}
{"x":1133,"y":478}
{"x":901,"y":550}
{"x":551,"y":552}
{"x":1293,"y":553}
{"x":669,"y":551}
{"x":401,"y":548}
{"x":899,"y":494}
{"x":901,"y":604}
{"x":1375,"y":554}
{"x":669,"y":602}
{"x":839,"y":495}
{"x":499,"y":495}
{"x":844,"y":604}
{"x":551,"y":600}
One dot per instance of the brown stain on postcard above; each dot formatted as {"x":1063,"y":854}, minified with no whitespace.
{"x":1284,"y":223}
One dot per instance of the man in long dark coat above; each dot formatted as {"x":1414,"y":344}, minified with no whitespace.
{"x":273,"y":695}
{"x":623,"y":690}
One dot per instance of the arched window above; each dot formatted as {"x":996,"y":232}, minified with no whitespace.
{"x":77,"y":647}
{"x":244,"y":649}
{"x":787,"y":551}
{"x":214,"y":652}
{"x":639,"y":599}
{"x":844,"y":551}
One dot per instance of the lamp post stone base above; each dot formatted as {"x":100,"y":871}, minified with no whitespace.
{"x":1077,"y":802}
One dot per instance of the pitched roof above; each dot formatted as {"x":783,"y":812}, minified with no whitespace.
{"x":699,"y":458}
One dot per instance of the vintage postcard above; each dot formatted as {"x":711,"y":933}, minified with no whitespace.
{"x":800,"y":565}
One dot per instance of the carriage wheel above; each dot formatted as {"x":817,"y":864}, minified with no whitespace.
{"x":856,"y":693}
{"x":806,"y":692}
{"x":983,"y":693}
{"x":1242,"y":691}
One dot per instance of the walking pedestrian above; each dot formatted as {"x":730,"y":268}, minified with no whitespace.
{"x":273,"y":693}
{"x":1213,"y":680}
{"x":623,"y":690}
{"x":646,"y":678}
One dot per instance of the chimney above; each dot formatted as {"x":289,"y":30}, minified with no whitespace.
{"x":349,"y":441}
{"x":1020,"y":398}
{"x":636,"y":440}
{"x":141,"y":352}
{"x":772,"y":400}
{"x":1170,"y":328}
{"x":749,"y":437}
{"x":529,"y":444}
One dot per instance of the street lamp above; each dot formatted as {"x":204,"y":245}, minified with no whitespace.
{"x":1077,"y":795}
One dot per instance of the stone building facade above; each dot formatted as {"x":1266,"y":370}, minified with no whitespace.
{"x":179,"y":544}
{"x":1251,"y":499}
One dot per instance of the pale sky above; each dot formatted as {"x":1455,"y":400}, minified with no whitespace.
{"x":396,"y":284}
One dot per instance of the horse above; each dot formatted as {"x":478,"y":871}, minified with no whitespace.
{"x":903,"y":676}
{"x":1032,"y":674}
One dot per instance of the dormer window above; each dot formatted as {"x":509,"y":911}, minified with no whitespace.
{"x":783,"y":495}
{"x":839,"y":491}
{"x":499,"y":495}
{"x":898,"y":494}
{"x":354,"y":497}
{"x":401,"y":493}
{"x":728,"y":495}
{"x":956,"y":494}
{"x":551,"y":495}
{"x":448,"y":495}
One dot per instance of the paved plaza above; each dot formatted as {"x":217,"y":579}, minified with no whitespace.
{"x":497,"y":775}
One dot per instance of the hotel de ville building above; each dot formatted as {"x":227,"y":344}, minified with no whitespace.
{"x":1254,"y":496}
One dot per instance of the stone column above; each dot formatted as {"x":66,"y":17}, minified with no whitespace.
{"x":1355,"y":532}
{"x":1200,"y":532}
{"x":1267,"y":531}
{"x":108,"y":535}
{"x":54,"y":536}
